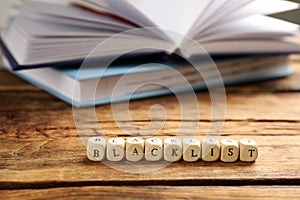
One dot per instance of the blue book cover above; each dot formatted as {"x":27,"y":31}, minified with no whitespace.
{"x":47,"y":79}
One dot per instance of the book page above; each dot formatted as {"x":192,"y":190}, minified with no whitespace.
{"x":175,"y":15}
{"x":122,"y":8}
{"x":74,"y":22}
{"x":31,"y":43}
{"x":44,"y":29}
{"x":258,"y":7}
{"x":255,"y":27}
{"x":251,"y":46}
{"x":266,"y":7}
{"x":210,"y":11}
{"x":229,"y":7}
{"x":64,"y":11}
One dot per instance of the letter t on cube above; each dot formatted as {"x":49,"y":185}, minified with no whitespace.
{"x":248,"y":150}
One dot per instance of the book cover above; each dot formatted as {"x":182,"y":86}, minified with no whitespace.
{"x":76,"y":86}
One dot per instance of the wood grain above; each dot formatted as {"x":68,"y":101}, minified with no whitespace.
{"x":49,"y":162}
{"x":163,"y":192}
{"x":42,"y":155}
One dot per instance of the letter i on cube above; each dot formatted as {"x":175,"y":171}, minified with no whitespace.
{"x":96,"y":147}
{"x":210,"y":149}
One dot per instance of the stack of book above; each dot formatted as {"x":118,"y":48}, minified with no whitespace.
{"x":45,"y":43}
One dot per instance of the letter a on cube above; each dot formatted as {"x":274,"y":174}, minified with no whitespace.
{"x":135,"y":149}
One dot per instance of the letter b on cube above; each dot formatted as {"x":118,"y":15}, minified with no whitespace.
{"x":96,"y":147}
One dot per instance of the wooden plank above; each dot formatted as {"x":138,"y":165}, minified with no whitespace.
{"x":240,"y":106}
{"x":36,"y":130}
{"x":63,"y":160}
{"x":163,"y":192}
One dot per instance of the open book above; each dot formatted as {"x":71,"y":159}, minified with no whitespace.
{"x":42,"y":33}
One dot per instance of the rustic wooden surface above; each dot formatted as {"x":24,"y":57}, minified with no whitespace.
{"x":41,"y":155}
{"x":161,"y":192}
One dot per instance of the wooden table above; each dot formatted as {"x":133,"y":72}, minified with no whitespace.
{"x":41,"y":155}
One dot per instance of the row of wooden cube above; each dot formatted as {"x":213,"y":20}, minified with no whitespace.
{"x":171,"y":149}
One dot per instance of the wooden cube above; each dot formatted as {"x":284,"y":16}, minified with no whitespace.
{"x":153,"y":149}
{"x":96,"y":147}
{"x":210,"y":149}
{"x":229,"y":150}
{"x":248,"y":150}
{"x":135,"y":149}
{"x":115,"y":149}
{"x":172,"y":149}
{"x":191,"y":149}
